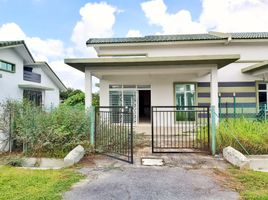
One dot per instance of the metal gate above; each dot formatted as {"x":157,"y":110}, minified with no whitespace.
{"x":180,"y":129}
{"x":114,"y":132}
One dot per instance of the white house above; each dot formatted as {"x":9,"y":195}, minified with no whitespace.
{"x":23,"y":77}
{"x":211,"y":69}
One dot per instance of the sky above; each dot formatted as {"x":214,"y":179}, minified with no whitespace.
{"x":58,"y":29}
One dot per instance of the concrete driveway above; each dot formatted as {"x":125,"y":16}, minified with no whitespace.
{"x":110,"y":180}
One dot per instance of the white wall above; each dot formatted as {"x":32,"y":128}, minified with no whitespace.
{"x":162,"y":86}
{"x":51,"y":97}
{"x":248,"y":51}
{"x":9,"y":82}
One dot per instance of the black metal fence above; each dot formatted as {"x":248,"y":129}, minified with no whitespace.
{"x":114,"y":132}
{"x":180,"y":129}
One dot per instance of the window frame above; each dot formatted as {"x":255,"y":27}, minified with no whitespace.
{"x":258,"y":91}
{"x":9,"y":63}
{"x":185,"y":83}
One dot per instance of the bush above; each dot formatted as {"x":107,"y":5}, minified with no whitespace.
{"x":253,"y":135}
{"x":52,"y":133}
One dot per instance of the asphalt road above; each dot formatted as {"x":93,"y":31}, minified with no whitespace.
{"x":148,"y":183}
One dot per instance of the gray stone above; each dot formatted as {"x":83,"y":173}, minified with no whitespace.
{"x":235,"y":157}
{"x":4,"y":142}
{"x":74,"y":156}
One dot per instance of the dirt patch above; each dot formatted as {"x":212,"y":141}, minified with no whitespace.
{"x":226,"y":180}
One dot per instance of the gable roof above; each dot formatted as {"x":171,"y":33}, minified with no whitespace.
{"x":44,"y":65}
{"x":18,"y":43}
{"x":180,"y":37}
{"x":47,"y":69}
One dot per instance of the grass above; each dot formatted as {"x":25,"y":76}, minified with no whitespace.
{"x":250,"y":184}
{"x":25,"y":184}
{"x":253,"y":135}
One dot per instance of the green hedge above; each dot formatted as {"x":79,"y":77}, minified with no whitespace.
{"x":46,"y":133}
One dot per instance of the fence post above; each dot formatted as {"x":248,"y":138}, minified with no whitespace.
{"x":219,"y":106}
{"x":92,"y":125}
{"x":265,"y":107}
{"x":213,"y":130}
{"x":234,"y":96}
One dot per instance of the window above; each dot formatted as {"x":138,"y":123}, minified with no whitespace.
{"x":6,"y":66}
{"x":33,"y":96}
{"x":185,"y":96}
{"x":262,"y":93}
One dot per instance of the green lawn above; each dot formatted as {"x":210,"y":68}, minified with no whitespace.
{"x":250,"y":184}
{"x":18,"y":184}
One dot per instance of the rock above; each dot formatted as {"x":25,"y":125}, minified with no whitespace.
{"x":74,"y":156}
{"x":235,"y":157}
{"x":4,"y":142}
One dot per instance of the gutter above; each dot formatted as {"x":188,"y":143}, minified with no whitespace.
{"x":226,"y":36}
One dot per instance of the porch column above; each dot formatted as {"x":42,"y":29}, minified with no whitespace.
{"x":88,"y":88}
{"x":214,"y":101}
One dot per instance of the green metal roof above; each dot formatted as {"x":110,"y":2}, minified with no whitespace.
{"x":11,"y":43}
{"x":250,"y":35}
{"x":180,"y":37}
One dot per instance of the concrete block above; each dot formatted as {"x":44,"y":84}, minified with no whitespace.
{"x":235,"y":157}
{"x":74,"y":156}
{"x":152,"y":161}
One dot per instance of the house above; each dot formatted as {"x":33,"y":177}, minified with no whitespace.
{"x":23,"y":77}
{"x":226,"y":70}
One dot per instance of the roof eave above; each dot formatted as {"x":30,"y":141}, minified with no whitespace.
{"x":255,"y":67}
{"x":220,"y":60}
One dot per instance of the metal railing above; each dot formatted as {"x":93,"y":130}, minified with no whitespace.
{"x":114,"y":132}
{"x":180,"y":129}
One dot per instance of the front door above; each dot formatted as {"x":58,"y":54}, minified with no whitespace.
{"x":144,"y":106}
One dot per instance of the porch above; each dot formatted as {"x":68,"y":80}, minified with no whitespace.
{"x":123,"y":79}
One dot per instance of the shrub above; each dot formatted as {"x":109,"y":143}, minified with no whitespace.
{"x":253,"y":135}
{"x":15,"y":161}
{"x":52,"y":133}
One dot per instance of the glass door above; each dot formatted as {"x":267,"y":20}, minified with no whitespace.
{"x":185,"y":96}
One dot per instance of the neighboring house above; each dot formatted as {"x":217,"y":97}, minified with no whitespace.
{"x":23,"y":77}
{"x":179,"y":70}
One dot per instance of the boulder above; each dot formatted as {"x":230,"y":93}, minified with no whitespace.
{"x":235,"y":157}
{"x":74,"y":156}
{"x":4,"y":142}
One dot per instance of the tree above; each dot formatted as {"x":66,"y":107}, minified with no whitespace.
{"x":74,"y":97}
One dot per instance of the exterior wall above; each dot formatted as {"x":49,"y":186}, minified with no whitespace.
{"x":51,"y":97}
{"x":248,"y":51}
{"x":9,"y":82}
{"x":163,"y":85}
{"x":231,"y":79}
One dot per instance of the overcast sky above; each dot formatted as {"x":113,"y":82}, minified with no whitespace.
{"x":58,"y":29}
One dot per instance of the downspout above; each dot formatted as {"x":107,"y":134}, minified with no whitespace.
{"x":229,"y":39}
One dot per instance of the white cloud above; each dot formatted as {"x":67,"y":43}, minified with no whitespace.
{"x":133,"y":33}
{"x":234,"y":16}
{"x":179,"y":22}
{"x":97,"y":20}
{"x":41,"y":49}
{"x":217,"y":15}
{"x":11,"y":31}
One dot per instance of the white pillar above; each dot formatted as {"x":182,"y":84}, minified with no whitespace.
{"x":88,"y":88}
{"x":214,"y":101}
